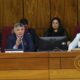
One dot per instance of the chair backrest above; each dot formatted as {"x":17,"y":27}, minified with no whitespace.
{"x":76,"y":30}
{"x":7,"y":30}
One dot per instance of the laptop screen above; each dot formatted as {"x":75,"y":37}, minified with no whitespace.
{"x":51,"y":43}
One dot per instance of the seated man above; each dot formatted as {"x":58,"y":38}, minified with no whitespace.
{"x":75,"y":43}
{"x":19,"y":39}
{"x":34,"y":36}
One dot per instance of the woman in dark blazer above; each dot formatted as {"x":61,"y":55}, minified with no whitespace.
{"x":56,"y":29}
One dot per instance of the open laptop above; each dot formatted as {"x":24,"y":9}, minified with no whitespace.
{"x":52,"y":43}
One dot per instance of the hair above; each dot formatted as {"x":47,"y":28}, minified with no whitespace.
{"x":60,"y":24}
{"x":18,"y":25}
{"x":24,"y":21}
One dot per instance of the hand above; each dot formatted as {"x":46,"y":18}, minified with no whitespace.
{"x":18,"y":41}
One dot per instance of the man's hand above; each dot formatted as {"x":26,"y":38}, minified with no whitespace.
{"x":18,"y":41}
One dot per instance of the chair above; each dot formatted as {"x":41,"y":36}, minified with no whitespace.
{"x":76,"y":30}
{"x":7,"y":30}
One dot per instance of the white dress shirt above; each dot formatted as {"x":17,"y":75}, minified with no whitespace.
{"x":75,"y":43}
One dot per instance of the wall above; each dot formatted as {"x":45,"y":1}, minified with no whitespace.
{"x":40,"y":12}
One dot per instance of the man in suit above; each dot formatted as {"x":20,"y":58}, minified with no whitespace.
{"x":34,"y":36}
{"x":19,"y":39}
{"x":75,"y":43}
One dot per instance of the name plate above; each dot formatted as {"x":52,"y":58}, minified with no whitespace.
{"x":13,"y":51}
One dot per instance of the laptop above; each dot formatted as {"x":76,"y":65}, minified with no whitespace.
{"x":52,"y":43}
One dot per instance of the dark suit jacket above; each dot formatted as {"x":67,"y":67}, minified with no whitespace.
{"x":61,"y":32}
{"x":35,"y":37}
{"x":27,"y":42}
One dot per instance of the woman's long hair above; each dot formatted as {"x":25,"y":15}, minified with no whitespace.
{"x":60,"y":24}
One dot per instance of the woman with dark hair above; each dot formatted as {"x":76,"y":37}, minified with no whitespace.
{"x":56,"y":29}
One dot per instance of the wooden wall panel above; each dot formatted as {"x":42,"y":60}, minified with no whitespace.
{"x":78,"y":12}
{"x":10,"y":11}
{"x":27,"y":64}
{"x":57,"y":9}
{"x":30,"y":11}
{"x":38,"y":14}
{"x":1,"y":14}
{"x":24,"y":75}
{"x":67,"y":11}
{"x":43,"y":18}
{"x":67,"y":63}
{"x":70,"y":15}
{"x":65,"y":74}
{"x":54,"y":63}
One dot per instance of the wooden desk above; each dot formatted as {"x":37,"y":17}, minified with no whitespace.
{"x":24,"y":66}
{"x":39,"y":66}
{"x":62,"y":60}
{"x":62,"y":65}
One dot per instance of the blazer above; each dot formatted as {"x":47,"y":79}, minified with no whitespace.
{"x":27,"y":42}
{"x":75,"y":43}
{"x":51,"y":33}
{"x":61,"y":32}
{"x":35,"y":37}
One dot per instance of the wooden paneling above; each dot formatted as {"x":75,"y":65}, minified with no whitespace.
{"x":67,"y":63}
{"x":30,"y":12}
{"x":38,"y":14}
{"x":54,"y":63}
{"x":1,"y":13}
{"x":65,"y":79}
{"x":62,"y":61}
{"x":29,"y":61}
{"x":20,"y":55}
{"x":67,"y":11}
{"x":57,"y":8}
{"x":24,"y":75}
{"x":65,"y":74}
{"x":10,"y":11}
{"x":25,"y":64}
{"x":39,"y":66}
{"x":43,"y":17}
{"x":70,"y":15}
{"x":78,"y":12}
{"x":64,"y":54}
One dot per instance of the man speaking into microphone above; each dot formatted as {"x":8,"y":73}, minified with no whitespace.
{"x":20,"y":39}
